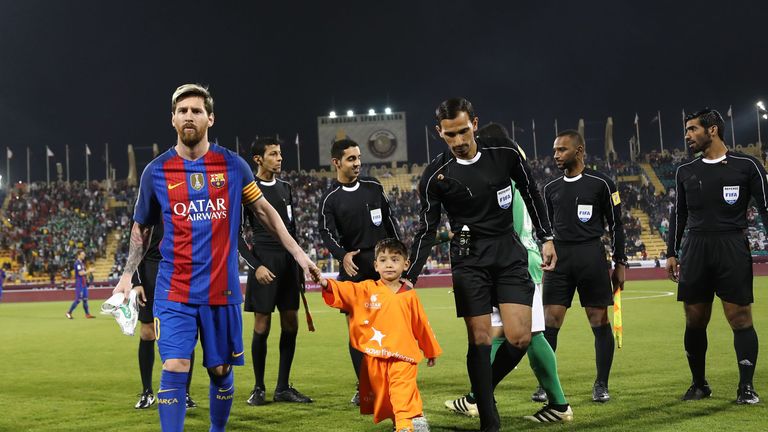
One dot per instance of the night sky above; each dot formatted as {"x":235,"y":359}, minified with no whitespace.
{"x":77,"y":72}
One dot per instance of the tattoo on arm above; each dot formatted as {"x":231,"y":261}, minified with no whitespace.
{"x":139,"y":242}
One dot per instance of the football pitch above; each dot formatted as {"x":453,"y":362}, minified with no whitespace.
{"x":82,"y":375}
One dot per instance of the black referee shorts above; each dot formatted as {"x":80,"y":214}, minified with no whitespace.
{"x":496,"y":271}
{"x":146,"y":315}
{"x":282,"y":292}
{"x":583,"y":267}
{"x":715,"y":263}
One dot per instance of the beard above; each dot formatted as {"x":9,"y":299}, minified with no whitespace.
{"x":190,"y":137}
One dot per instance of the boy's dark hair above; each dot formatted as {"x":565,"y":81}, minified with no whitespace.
{"x":708,"y":118}
{"x":260,"y":145}
{"x":338,"y":147}
{"x":392,"y":245}
{"x":450,"y":109}
{"x":493,"y":130}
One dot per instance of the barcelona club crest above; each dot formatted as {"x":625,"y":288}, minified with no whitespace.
{"x":197,"y":181}
{"x":217,"y":180}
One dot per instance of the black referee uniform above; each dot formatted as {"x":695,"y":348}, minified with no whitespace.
{"x":489,"y":264}
{"x":283,"y":291}
{"x":146,"y":274}
{"x":355,"y":216}
{"x":715,"y":258}
{"x":580,"y":207}
{"x":712,"y":200}
{"x":478,"y":194}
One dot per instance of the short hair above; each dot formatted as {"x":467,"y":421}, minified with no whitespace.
{"x":260,"y":145}
{"x":78,"y":252}
{"x":450,"y":109}
{"x":339,"y":146}
{"x":186,"y":90}
{"x":493,"y":130}
{"x":708,"y":118}
{"x":392,"y":245}
{"x":573,"y":134}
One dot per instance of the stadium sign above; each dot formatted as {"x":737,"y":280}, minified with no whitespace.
{"x":382,"y":137}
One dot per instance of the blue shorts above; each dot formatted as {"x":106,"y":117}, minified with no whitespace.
{"x":220,"y":328}
{"x":81,"y":293}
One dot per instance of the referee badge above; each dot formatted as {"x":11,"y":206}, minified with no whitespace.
{"x":731,"y":194}
{"x":584,"y":212}
{"x":376,"y":216}
{"x":504,"y":197}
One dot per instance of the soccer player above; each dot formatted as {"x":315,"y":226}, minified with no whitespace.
{"x":354,"y":215}
{"x":713,"y":193}
{"x":274,"y":280}
{"x":388,"y":324}
{"x":540,"y":355}
{"x":81,"y":289}
{"x":580,"y":204}
{"x":2,"y":279}
{"x":197,"y":188}
{"x":144,"y":282}
{"x":472,"y":181}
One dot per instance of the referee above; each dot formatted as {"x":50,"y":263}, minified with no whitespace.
{"x":144,"y":282}
{"x":275,"y":279}
{"x":713,"y":194}
{"x":580,"y":204}
{"x":354,"y":215}
{"x":471,"y":181}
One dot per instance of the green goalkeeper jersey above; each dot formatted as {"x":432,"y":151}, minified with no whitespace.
{"x":524,"y":229}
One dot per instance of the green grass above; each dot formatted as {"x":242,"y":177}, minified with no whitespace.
{"x":79,"y":375}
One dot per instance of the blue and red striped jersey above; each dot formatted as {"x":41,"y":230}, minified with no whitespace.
{"x":198,"y":203}
{"x":79,"y":280}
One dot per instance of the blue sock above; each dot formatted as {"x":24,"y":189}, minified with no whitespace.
{"x":74,"y":305}
{"x":221,"y":393}
{"x":171,"y":400}
{"x":85,"y":306}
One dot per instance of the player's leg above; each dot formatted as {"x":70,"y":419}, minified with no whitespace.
{"x":176,"y":332}
{"x":405,"y":398}
{"x":84,"y":298}
{"x":516,"y":319}
{"x":74,"y":303}
{"x":222,"y":341}
{"x":146,"y":361}
{"x":697,"y":318}
{"x":259,"y":299}
{"x":604,"y":349}
{"x":287,"y":302}
{"x":746,"y":345}
{"x":188,"y":399}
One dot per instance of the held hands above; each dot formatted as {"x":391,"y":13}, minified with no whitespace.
{"x":548,"y":256}
{"x":264,"y":276}
{"x":673,"y":269}
{"x":349,"y":265}
{"x":124,"y":286}
{"x":618,"y":277}
{"x":431,"y":362}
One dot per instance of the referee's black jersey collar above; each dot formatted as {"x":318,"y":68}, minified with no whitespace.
{"x":350,"y":187}
{"x":714,"y":161}
{"x":469,"y":161}
{"x":263,"y":182}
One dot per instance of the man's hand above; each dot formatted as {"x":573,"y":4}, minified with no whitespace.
{"x":264,"y":276}
{"x":673,"y":269}
{"x":124,"y":285}
{"x":140,"y":296}
{"x":308,"y":266}
{"x":349,"y":266}
{"x":548,"y":256}
{"x":431,"y":362}
{"x":618,"y":277}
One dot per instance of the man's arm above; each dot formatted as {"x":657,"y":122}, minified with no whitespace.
{"x":429,"y":219}
{"x":758,"y":189}
{"x":327,"y":226}
{"x":386,"y":213}
{"x":678,"y":220}
{"x":612,"y":210}
{"x":271,"y":220}
{"x":139,"y":243}
{"x":520,"y":173}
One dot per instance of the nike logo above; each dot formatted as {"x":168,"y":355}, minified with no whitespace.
{"x":174,"y":186}
{"x":166,"y":390}
{"x":238,"y":355}
{"x":226,"y":389}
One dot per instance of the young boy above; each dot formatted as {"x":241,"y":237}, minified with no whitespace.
{"x":388,"y":324}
